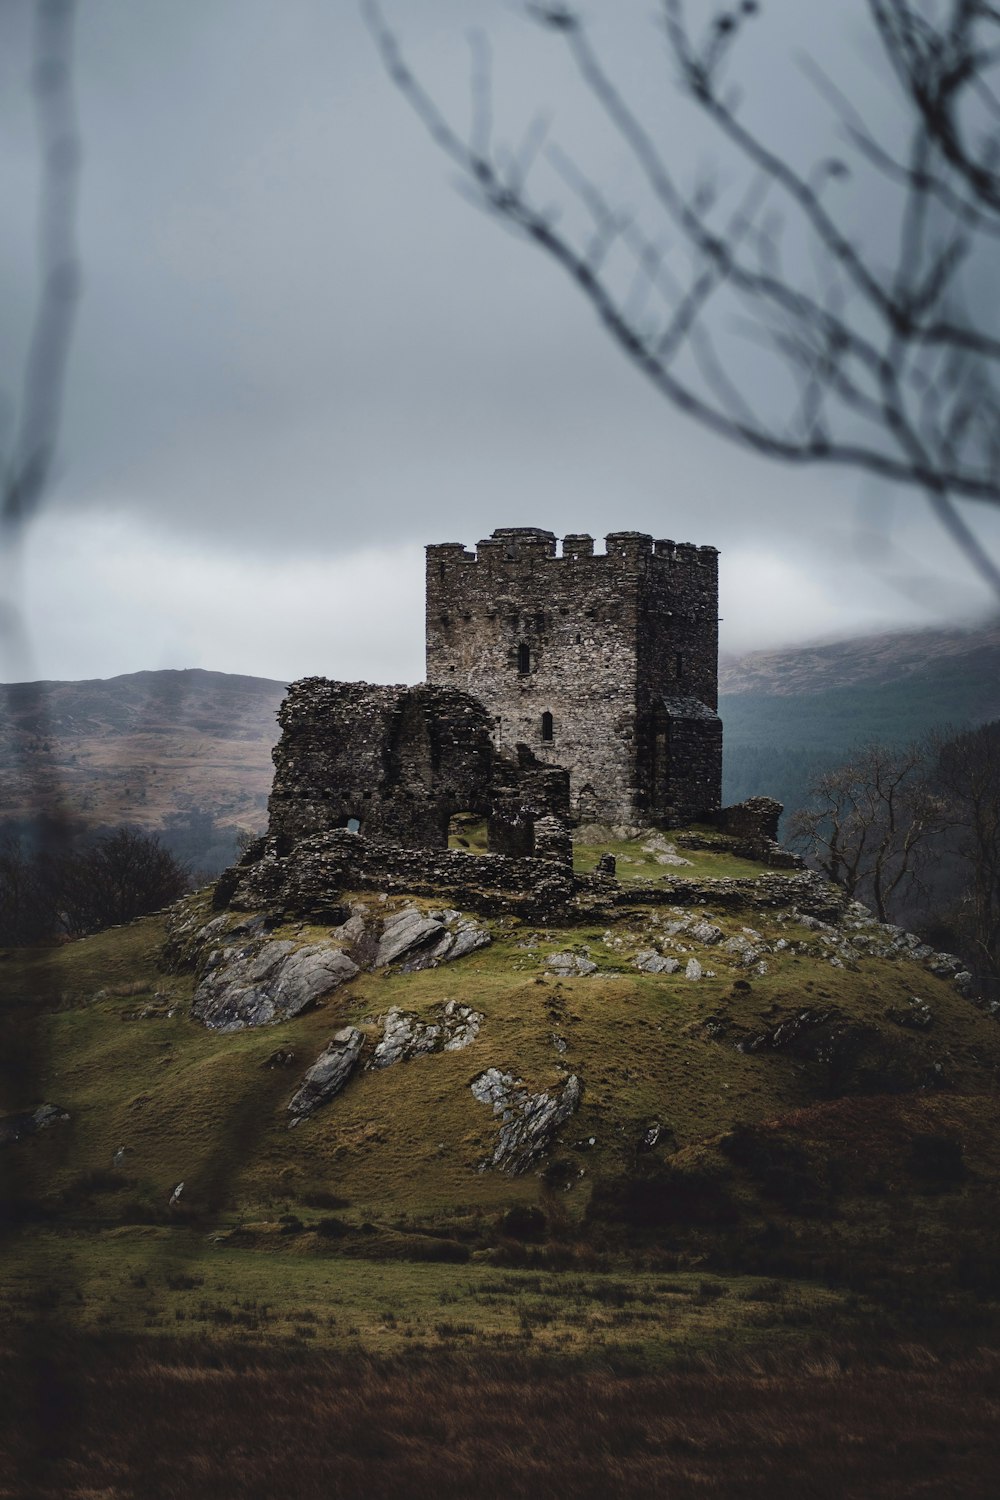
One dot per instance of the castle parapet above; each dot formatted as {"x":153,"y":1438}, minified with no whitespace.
{"x":628,"y":543}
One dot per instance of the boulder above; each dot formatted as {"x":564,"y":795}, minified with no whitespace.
{"x":267,"y":983}
{"x":405,"y":1036}
{"x":328,"y":1074}
{"x":705,"y":932}
{"x":569,"y":963}
{"x":528,"y":1121}
{"x":404,"y":933}
{"x":14,"y":1128}
{"x":651,"y":962}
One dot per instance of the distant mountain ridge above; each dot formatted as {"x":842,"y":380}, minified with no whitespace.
{"x":189,"y":752}
{"x":185,"y":752}
{"x":790,"y":713}
{"x":824,"y":665}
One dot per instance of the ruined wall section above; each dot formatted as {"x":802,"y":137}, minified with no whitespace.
{"x":573,"y":654}
{"x":397,"y":761}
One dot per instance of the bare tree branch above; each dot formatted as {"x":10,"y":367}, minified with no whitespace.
{"x":886,"y":370}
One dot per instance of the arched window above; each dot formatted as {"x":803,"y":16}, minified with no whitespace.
{"x":546,"y":725}
{"x":523,"y":659}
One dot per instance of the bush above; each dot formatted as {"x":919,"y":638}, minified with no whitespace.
{"x":524,"y":1222}
{"x":937,"y":1161}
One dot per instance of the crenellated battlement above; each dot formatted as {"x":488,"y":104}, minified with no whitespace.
{"x":521,"y":544}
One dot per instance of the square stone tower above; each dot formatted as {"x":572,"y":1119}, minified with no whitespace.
{"x":604,"y":663}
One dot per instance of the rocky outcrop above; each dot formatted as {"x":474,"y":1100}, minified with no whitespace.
{"x":528,"y":1121}
{"x":416,"y":941}
{"x":267,"y":982}
{"x":14,"y":1128}
{"x":405,"y":1036}
{"x":328,"y":1074}
{"x":250,"y":979}
{"x":569,"y":964}
{"x":405,"y":933}
{"x":651,"y":962}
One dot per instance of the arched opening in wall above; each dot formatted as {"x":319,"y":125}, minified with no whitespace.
{"x":350,"y":824}
{"x":523,"y":659}
{"x":546,"y":725}
{"x":467,"y":832}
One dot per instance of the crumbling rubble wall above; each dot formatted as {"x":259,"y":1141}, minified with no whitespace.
{"x":312,"y":879}
{"x":397,"y":762}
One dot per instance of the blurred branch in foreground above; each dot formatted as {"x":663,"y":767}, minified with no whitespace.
{"x":876,"y":351}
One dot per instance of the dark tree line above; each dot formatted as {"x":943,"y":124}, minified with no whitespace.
{"x":914,"y":832}
{"x":70,"y":892}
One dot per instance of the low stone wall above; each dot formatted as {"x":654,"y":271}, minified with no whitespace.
{"x":310,"y":879}
{"x":750,"y":831}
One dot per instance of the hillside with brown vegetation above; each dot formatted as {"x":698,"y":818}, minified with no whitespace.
{"x":148,"y":748}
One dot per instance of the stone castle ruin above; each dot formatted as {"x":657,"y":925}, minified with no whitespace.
{"x":604,"y":663}
{"x":562,"y":689}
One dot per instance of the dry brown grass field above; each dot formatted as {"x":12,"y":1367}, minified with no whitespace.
{"x":170,"y":1421}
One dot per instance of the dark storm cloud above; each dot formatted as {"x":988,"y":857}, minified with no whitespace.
{"x":296,"y":338}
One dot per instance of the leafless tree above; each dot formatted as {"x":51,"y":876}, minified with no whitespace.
{"x":887,"y":363}
{"x":121,"y":876}
{"x":968,"y":773}
{"x":870,"y":821}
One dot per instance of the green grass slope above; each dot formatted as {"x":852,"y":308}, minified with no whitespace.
{"x":772,"y":1119}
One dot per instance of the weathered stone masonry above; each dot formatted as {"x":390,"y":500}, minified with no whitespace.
{"x":397,"y":763}
{"x":603,"y":663}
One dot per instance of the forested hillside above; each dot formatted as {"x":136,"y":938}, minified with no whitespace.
{"x":788,"y":714}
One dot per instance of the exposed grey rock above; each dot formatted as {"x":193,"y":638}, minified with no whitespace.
{"x":404,"y":933}
{"x":693,"y":970}
{"x":267,"y":983}
{"x":916,"y":1014}
{"x":945,"y":965}
{"x":528,"y":1121}
{"x":14,"y":1128}
{"x":469,"y":936}
{"x":423,"y":942}
{"x":569,"y":963}
{"x":705,"y":932}
{"x":651,"y":962}
{"x":328,"y":1074}
{"x":461,"y":1026}
{"x":405,"y":1036}
{"x":353,"y":930}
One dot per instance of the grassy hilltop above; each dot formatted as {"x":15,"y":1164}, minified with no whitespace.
{"x":800,"y":1144}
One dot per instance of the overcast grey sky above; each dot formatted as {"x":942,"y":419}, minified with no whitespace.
{"x":301,"y":355}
